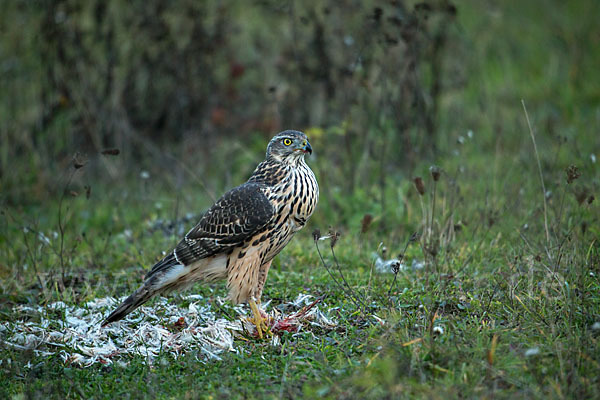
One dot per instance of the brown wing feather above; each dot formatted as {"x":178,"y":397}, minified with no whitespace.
{"x":237,"y":216}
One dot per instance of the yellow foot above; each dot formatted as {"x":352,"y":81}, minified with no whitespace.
{"x":258,"y":320}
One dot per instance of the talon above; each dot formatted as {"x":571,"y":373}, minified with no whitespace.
{"x":259,"y":319}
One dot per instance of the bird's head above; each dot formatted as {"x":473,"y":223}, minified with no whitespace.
{"x":288,"y":146}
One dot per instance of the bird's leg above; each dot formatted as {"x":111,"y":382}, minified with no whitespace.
{"x":259,"y":321}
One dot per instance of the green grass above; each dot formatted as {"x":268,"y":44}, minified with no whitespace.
{"x":516,"y":307}
{"x":493,"y":280}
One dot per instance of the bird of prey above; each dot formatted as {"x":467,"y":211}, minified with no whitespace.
{"x":238,"y":237}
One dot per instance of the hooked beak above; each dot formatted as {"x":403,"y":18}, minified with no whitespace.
{"x":307,"y":148}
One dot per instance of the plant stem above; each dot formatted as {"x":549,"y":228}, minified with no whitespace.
{"x":537,"y":157}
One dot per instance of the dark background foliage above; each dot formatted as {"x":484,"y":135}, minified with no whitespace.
{"x":139,"y":76}
{"x":182,"y":86}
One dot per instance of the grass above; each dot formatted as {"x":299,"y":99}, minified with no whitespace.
{"x":504,"y":307}
{"x":516,"y":310}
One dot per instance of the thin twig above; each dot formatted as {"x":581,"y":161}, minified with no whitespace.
{"x":425,"y":218}
{"x":537,"y":157}
{"x":412,"y":238}
{"x":432,"y":252}
{"x":335,"y":279}
{"x":372,"y":267}
{"x":61,"y":228}
{"x":33,"y":258}
{"x":344,"y":279}
{"x":432,"y":214}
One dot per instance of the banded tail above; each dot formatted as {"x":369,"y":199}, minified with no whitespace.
{"x":154,"y":284}
{"x":139,"y":297}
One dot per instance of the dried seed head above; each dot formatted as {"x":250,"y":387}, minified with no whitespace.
{"x":316,"y":234}
{"x":572,"y":173}
{"x":366,"y":223}
{"x":591,"y":199}
{"x":435,"y":172}
{"x":334,"y":236}
{"x":414,"y":237}
{"x":419,"y":185}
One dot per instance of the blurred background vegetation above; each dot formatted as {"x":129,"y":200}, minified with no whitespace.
{"x":120,"y":121}
{"x":182,"y":87}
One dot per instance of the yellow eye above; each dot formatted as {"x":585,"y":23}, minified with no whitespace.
{"x":287,"y":141}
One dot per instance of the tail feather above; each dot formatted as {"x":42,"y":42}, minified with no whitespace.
{"x":139,"y":297}
{"x":163,"y":265}
{"x":154,"y":284}
{"x":168,"y":274}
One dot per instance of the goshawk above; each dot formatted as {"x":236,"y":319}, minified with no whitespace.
{"x":238,"y":237}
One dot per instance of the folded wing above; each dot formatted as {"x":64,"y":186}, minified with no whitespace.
{"x":235,"y":218}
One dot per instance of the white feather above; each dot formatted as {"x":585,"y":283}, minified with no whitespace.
{"x":174,"y":273}
{"x":206,"y":269}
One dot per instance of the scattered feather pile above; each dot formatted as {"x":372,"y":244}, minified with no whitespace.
{"x":75,"y":333}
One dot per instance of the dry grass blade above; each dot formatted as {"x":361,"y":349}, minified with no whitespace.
{"x":539,"y":165}
{"x":345,"y":288}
